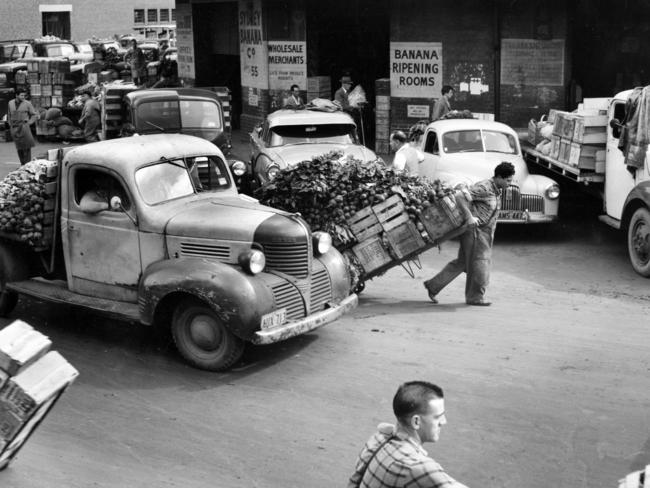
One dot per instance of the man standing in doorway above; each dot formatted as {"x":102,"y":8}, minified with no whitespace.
{"x":442,"y":106}
{"x":475,"y":251}
{"x":341,"y":95}
{"x":22,"y":116}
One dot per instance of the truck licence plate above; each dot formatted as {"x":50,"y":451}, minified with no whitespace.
{"x":274,"y":319}
{"x":512,"y":215}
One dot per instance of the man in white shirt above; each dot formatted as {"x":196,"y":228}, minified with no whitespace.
{"x":406,"y":156}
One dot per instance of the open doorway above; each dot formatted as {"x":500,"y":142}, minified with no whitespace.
{"x":56,"y":24}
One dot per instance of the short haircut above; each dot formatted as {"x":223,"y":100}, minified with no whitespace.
{"x":294,"y":86}
{"x":20,"y":90}
{"x":398,"y":135}
{"x":413,"y":398}
{"x":446,"y":89}
{"x":504,"y":170}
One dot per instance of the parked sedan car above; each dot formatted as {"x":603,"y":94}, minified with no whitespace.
{"x":467,"y":150}
{"x":288,"y":137}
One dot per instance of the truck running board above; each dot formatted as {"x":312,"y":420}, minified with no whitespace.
{"x":611,"y":221}
{"x":57,"y":292}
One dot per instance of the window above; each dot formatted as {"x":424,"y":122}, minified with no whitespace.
{"x":173,"y":15}
{"x":138,"y":16}
{"x":152,"y":15}
{"x":164,"y":15}
{"x":164,"y":181}
{"x":102,"y":185}
{"x":199,"y":114}
{"x":297,"y":134}
{"x":431,"y":146}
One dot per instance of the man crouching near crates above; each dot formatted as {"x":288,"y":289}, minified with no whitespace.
{"x":394,"y":457}
{"x":475,"y":251}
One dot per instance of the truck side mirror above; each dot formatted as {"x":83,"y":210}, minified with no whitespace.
{"x":617,"y":127}
{"x":116,"y":203}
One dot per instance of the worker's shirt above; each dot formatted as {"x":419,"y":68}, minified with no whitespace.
{"x":394,"y":460}
{"x":485,"y":201}
{"x":409,"y":158}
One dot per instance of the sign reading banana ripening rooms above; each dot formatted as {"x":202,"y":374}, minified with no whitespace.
{"x":415,"y":69}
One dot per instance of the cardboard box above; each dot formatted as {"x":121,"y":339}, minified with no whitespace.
{"x":583,"y":156}
{"x":555,"y":147}
{"x":565,"y":150}
{"x":20,"y":346}
{"x":601,"y":104}
{"x":590,"y":129}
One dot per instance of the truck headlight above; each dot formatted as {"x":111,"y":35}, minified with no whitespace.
{"x":272,"y":172}
{"x":322,"y":242}
{"x":253,"y":261}
{"x":238,"y":168}
{"x":553,"y":192}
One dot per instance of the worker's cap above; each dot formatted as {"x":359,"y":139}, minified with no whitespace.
{"x":346,"y":79}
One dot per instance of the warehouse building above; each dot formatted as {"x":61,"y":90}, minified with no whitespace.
{"x":508,"y":60}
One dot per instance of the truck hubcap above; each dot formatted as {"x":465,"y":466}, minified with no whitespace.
{"x":204,"y":332}
{"x":641,"y":233}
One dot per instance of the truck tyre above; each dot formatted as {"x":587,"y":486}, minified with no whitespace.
{"x":638,"y":241}
{"x":202,"y":339}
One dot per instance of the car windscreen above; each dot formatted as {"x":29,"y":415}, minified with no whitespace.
{"x":300,"y":134}
{"x":157,"y":116}
{"x":164,"y":181}
{"x":200,"y":114}
{"x":54,"y":50}
{"x":479,"y":141}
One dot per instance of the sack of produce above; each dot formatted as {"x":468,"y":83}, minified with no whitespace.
{"x":23,"y":197}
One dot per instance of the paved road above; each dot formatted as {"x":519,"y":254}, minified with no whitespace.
{"x":548,"y":387}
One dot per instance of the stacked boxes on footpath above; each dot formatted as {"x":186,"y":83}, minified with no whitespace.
{"x":31,"y":379}
{"x":382,"y":115}
{"x":579,"y":138}
{"x":50,"y":83}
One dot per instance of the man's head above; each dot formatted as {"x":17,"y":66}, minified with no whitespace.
{"x":295,"y":90}
{"x":419,"y":407}
{"x":134,"y":43}
{"x":503,"y":174}
{"x":447,"y":91}
{"x":397,"y":140}
{"x":346,"y":82}
{"x":21,"y":93}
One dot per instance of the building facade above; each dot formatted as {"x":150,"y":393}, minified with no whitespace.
{"x":80,"y":20}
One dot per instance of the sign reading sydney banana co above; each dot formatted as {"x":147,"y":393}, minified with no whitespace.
{"x":252,"y":45}
{"x":287,"y":64}
{"x":415,"y":69}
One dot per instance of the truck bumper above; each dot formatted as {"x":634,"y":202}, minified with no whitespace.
{"x":314,"y":321}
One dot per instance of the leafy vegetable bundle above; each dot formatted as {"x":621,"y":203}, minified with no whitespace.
{"x":327,"y":191}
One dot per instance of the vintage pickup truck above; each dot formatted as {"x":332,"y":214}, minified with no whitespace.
{"x":151,"y":229}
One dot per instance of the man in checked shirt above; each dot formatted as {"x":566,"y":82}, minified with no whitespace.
{"x":475,"y":251}
{"x":394,"y":457}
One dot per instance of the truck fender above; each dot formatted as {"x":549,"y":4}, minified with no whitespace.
{"x":638,"y":197}
{"x":238,"y":299}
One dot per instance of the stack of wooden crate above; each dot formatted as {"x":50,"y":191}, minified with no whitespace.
{"x":318,"y":87}
{"x":112,"y":116}
{"x":50,"y":83}
{"x":579,"y":138}
{"x":382,"y":116}
{"x":32,"y":378}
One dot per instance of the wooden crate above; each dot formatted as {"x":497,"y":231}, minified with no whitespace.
{"x":364,"y":224}
{"x":372,"y":254}
{"x":590,"y":129}
{"x":402,"y":236}
{"x":442,"y":217}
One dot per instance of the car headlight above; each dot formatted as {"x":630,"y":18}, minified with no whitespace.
{"x":253,"y":261}
{"x":553,"y":192}
{"x":322,"y":242}
{"x":238,"y":168}
{"x":272,"y":172}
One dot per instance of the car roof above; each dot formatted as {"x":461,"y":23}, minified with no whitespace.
{"x":446,"y":125}
{"x":125,"y":154}
{"x":306,"y":116}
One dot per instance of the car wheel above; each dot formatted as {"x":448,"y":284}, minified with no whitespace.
{"x":202,"y":338}
{"x":638,"y":241}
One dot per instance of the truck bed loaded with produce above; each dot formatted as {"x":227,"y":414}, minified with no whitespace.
{"x":377,"y":217}
{"x":151,"y":229}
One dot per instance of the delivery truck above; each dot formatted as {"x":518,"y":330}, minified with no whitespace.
{"x":151,"y":229}
{"x":589,"y":147}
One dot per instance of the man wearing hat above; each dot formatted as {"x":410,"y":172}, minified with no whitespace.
{"x":341,"y":95}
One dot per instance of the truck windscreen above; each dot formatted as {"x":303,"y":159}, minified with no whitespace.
{"x":200,"y":114}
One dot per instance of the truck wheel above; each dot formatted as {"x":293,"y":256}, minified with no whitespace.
{"x":202,"y":339}
{"x":638,"y":241}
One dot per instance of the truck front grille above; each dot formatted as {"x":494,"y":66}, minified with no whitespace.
{"x":512,"y":199}
{"x":321,"y":290}
{"x":287,"y":295}
{"x":289,"y":258}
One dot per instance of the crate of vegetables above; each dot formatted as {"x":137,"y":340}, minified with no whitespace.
{"x":442,"y":217}
{"x":402,"y":236}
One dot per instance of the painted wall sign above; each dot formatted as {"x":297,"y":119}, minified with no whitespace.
{"x":532,"y":62}
{"x":252,"y":45}
{"x":415,"y":69}
{"x":287,"y":64}
{"x":185,"y":41}
{"x":418,"y":111}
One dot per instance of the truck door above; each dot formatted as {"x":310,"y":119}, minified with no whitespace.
{"x":618,"y":180}
{"x":103,"y":245}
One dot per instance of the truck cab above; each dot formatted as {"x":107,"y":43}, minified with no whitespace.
{"x":152,"y":230}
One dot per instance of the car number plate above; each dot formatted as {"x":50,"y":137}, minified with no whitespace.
{"x":274,"y":319}
{"x":512,"y":215}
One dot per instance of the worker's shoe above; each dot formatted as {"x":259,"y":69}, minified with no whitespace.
{"x":480,"y":303}
{"x":432,"y":296}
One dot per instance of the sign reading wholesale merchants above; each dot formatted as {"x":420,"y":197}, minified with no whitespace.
{"x":287,"y":64}
{"x":185,"y":41}
{"x":415,"y":69}
{"x":252,"y":46}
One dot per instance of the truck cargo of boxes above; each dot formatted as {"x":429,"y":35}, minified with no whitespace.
{"x":590,"y":129}
{"x":111,"y":116}
{"x":564,"y":125}
{"x":583,"y":156}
